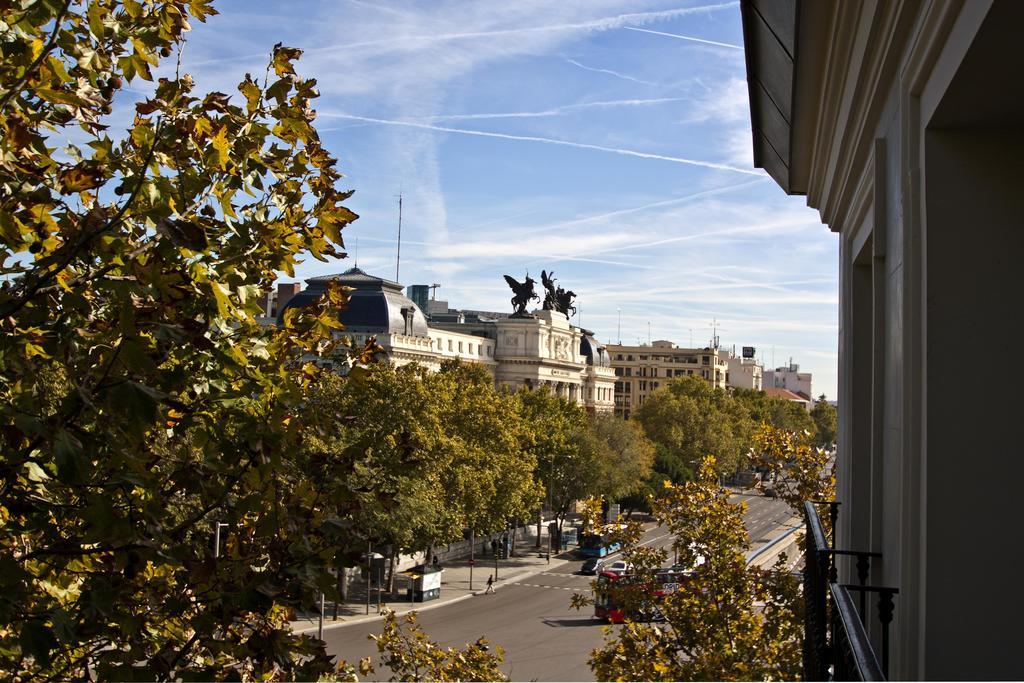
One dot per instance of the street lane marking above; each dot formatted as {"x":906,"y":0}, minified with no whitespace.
{"x":537,"y":585}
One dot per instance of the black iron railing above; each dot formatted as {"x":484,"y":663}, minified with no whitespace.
{"x":836,"y":644}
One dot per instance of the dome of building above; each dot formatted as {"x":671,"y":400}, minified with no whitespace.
{"x":594,"y":351}
{"x":376,"y":305}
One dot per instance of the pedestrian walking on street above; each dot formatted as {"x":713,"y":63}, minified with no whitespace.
{"x":490,"y":584}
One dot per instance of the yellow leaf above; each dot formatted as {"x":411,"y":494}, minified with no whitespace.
{"x":222,"y":147}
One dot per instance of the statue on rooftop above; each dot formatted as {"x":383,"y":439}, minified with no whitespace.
{"x":556,"y":298}
{"x":550,"y":293}
{"x":523,"y":294}
{"x":565,"y":298}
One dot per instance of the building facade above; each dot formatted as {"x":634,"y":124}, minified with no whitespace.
{"x":903,"y":124}
{"x":544,"y":350}
{"x":789,"y":377}
{"x":639,"y":370}
{"x":744,"y":373}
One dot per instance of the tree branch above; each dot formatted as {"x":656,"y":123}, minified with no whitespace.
{"x":32,"y":289}
{"x":38,"y":60}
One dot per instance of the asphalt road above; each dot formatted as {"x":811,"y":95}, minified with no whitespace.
{"x":544,"y":639}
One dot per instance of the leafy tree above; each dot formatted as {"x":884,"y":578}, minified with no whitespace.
{"x":140,"y":401}
{"x":381,"y":429}
{"x":825,"y":422}
{"x":778,"y":412}
{"x":799,"y":470}
{"x":628,"y":455}
{"x":569,"y":455}
{"x":409,"y":655}
{"x":692,"y":420}
{"x":492,"y":477}
{"x":426,"y":454}
{"x":713,"y":627}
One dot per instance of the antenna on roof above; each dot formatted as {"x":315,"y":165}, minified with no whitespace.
{"x":357,"y":252}
{"x":398,"y":259}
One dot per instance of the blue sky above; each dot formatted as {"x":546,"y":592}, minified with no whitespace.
{"x":606,"y":140}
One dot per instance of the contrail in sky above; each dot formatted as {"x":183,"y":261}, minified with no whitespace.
{"x":549,"y":141}
{"x":609,"y":72}
{"x":676,"y":35}
{"x":556,"y":111}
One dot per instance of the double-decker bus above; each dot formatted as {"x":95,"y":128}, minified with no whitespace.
{"x":599,"y":544}
{"x":618,"y":596}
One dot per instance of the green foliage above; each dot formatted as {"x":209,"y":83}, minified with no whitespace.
{"x":798,"y":470}
{"x":715,"y":627}
{"x":826,"y":422}
{"x":140,"y":402}
{"x":628,"y":455}
{"x":409,"y":655}
{"x":778,"y":412}
{"x":419,"y":455}
{"x":692,"y":420}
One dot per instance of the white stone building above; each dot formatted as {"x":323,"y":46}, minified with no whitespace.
{"x":743,"y":373}
{"x":789,"y":377}
{"x":542,"y":350}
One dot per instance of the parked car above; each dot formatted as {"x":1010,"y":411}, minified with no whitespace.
{"x":591,"y":566}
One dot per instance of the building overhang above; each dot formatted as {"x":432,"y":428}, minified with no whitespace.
{"x":786,"y":46}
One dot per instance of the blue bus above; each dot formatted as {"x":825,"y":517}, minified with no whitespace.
{"x":599,"y":544}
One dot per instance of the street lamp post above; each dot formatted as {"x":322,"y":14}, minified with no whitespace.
{"x":217,"y":526}
{"x":320,"y":626}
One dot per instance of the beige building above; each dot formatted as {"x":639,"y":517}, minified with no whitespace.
{"x":789,"y":377}
{"x":544,"y":350}
{"x":902,"y":121}
{"x":639,"y":370}
{"x":744,"y":373}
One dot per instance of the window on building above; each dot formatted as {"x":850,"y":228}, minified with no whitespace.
{"x":643,"y":386}
{"x":490,"y":351}
{"x":449,"y":344}
{"x":627,"y":386}
{"x":460,"y":347}
{"x":625,"y":414}
{"x":629,"y":357}
{"x":654,"y":385}
{"x":629,"y":372}
{"x":654,"y":372}
{"x":643,"y":357}
{"x":689,"y":372}
{"x":618,"y":356}
{"x":618,"y":372}
{"x":705,"y":360}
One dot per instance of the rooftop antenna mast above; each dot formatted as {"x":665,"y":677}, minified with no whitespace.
{"x":357,"y":252}
{"x":433,"y":291}
{"x":398,"y":259}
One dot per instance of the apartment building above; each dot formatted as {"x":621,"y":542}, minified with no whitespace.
{"x":789,"y":377}
{"x":639,"y":370}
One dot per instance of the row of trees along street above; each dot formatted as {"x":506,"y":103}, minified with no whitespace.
{"x":687,"y":420}
{"x":142,"y":403}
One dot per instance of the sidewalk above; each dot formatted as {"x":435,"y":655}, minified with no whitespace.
{"x":454,"y":588}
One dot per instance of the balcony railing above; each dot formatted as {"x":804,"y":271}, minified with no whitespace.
{"x":836,"y":642}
